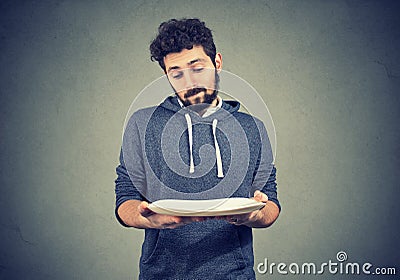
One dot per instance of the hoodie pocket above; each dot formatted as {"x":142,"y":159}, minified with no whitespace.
{"x":193,"y":250}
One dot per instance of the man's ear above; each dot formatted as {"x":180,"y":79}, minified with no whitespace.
{"x":218,"y":62}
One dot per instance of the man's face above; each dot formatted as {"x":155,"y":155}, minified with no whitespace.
{"x":193,"y":75}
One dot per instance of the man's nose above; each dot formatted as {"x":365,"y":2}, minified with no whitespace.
{"x":190,"y":81}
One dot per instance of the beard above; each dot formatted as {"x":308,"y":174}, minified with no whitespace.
{"x":208,"y":99}
{"x":198,"y":104}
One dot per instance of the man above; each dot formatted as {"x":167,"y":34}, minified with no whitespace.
{"x":193,"y":247}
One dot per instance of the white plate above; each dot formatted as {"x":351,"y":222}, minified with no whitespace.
{"x":211,"y":207}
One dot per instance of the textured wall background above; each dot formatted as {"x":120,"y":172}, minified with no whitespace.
{"x":329,"y":72}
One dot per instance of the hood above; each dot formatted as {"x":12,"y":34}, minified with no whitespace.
{"x":228,"y":108}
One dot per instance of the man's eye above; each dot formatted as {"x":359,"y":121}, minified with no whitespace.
{"x":177,"y":75}
{"x":197,"y":69}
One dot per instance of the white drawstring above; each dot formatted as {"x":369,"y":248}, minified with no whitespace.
{"x":220,"y":172}
{"x":189,"y":126}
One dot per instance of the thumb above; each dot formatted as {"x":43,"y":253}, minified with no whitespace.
{"x":260,"y":196}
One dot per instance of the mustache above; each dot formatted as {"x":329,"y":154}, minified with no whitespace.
{"x":194,"y":91}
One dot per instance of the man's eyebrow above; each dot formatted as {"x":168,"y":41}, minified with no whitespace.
{"x":196,"y":60}
{"x":190,"y":63}
{"x":173,"y":68}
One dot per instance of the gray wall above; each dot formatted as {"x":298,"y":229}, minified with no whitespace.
{"x":329,"y":72}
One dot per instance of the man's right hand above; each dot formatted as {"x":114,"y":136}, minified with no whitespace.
{"x":160,"y":221}
{"x":135,"y":213}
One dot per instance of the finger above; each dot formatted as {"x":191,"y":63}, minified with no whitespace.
{"x":241,"y":219}
{"x":175,"y":221}
{"x":236,"y":221}
{"x":188,"y":220}
{"x":171,"y":222}
{"x":172,"y":225}
{"x":232,"y":219}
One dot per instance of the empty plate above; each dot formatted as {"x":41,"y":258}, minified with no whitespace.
{"x":210,"y":207}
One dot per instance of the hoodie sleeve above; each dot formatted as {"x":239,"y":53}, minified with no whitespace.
{"x":264,"y":178}
{"x":270,"y":188}
{"x":124,"y":187}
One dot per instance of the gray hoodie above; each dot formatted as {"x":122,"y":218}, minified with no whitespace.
{"x":172,"y":152}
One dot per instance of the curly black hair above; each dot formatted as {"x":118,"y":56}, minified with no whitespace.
{"x":175,"y":35}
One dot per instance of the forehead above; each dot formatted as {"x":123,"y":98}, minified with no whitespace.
{"x":185,"y":57}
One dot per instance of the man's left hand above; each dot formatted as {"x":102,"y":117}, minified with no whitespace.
{"x":249,"y":218}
